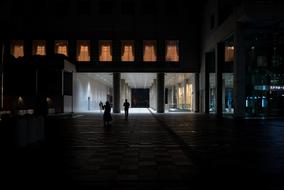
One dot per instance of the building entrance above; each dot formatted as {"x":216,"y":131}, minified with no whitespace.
{"x":140,"y":89}
{"x":140,"y":98}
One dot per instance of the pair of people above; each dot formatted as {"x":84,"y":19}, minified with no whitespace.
{"x":107,"y":109}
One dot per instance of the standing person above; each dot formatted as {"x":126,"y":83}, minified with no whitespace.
{"x":126,"y":108}
{"x":101,"y":106}
{"x":107,"y":115}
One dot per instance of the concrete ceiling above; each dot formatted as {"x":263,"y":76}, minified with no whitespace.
{"x":105,"y":78}
{"x":141,"y":80}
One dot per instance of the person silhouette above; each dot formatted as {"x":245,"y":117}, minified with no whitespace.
{"x":126,"y":108}
{"x":107,"y":115}
{"x":101,"y":106}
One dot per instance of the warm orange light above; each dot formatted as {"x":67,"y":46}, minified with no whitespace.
{"x":84,"y":53}
{"x":105,"y":51}
{"x":62,"y":50}
{"x":61,"y":47}
{"x":40,"y":50}
{"x":149,"y":51}
{"x":127,"y":54}
{"x":172,"y":51}
{"x":39,"y":47}
{"x":229,"y":53}
{"x":17,"y":48}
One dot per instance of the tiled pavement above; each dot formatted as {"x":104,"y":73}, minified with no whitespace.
{"x":152,"y":151}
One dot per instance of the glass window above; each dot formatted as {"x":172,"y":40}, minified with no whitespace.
{"x":39,"y":47}
{"x":172,"y":50}
{"x":150,"y":51}
{"x":17,"y":48}
{"x":228,"y":92}
{"x":229,"y":53}
{"x":127,"y":53}
{"x":61,"y":47}
{"x":83,"y":50}
{"x":105,"y":50}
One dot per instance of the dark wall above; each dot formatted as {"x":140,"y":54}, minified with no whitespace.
{"x":68,"y":83}
{"x":114,"y":20}
{"x":140,"y":98}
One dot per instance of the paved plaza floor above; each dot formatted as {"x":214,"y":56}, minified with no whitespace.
{"x":151,"y":151}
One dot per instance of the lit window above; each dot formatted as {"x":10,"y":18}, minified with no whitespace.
{"x":149,"y":51}
{"x":40,"y":50}
{"x":39,"y":47}
{"x":105,"y":51}
{"x":172,"y":51}
{"x":229,"y":53}
{"x":61,"y":47}
{"x":17,"y":48}
{"x":83,"y":51}
{"x":127,"y":51}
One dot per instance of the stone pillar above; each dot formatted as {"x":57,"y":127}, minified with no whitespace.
{"x":196,"y":92}
{"x":122,"y":92}
{"x":160,"y":92}
{"x":219,"y":62}
{"x":175,"y":96}
{"x":179,"y":98}
{"x":184,"y":97}
{"x":153,"y":95}
{"x":206,"y":85}
{"x":116,"y":92}
{"x":239,"y":72}
{"x":128,"y":93}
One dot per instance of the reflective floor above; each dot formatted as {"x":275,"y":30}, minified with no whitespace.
{"x":151,"y":151}
{"x":131,"y":110}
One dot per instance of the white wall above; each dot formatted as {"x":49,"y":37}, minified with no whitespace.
{"x":86,"y":86}
{"x":67,"y":104}
{"x":153,"y":95}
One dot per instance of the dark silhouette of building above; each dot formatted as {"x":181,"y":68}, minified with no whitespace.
{"x":234,"y":49}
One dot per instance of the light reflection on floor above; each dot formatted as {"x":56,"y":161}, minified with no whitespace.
{"x":131,"y":110}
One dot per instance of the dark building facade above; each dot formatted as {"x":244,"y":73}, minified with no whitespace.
{"x":233,"y":52}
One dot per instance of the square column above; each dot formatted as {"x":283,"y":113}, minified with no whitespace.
{"x":116,"y":92}
{"x":160,"y":92}
{"x":206,"y":85}
{"x":219,"y":62}
{"x":196,"y":92}
{"x":122,"y":92}
{"x":153,"y":95}
{"x":239,"y":73}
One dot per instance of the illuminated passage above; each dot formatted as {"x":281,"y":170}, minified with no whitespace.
{"x":140,"y":89}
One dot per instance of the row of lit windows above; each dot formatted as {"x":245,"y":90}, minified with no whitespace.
{"x":105,"y":50}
